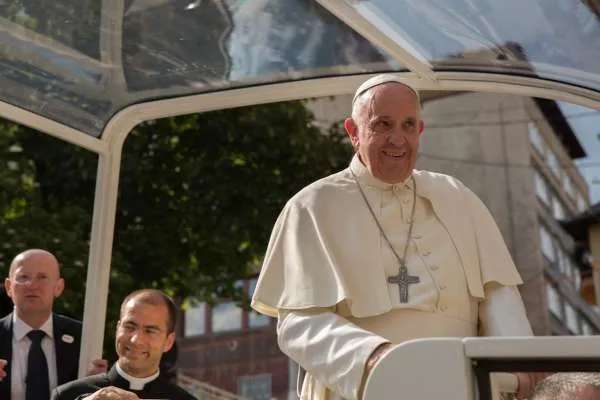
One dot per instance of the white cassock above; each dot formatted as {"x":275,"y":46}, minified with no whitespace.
{"x":326,"y":267}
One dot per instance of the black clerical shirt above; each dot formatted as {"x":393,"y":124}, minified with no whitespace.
{"x":159,"y":388}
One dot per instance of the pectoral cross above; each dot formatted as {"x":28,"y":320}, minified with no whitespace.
{"x":403,"y":280}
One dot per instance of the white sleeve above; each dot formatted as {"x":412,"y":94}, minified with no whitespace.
{"x":332,"y":349}
{"x":502,"y":313}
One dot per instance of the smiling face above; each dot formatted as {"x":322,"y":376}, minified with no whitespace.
{"x":142,"y":337}
{"x":385,"y":129}
{"x":33,"y":283}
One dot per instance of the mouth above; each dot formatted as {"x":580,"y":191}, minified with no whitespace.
{"x":396,"y":154}
{"x":134,"y":354}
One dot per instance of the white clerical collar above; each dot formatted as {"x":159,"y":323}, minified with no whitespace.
{"x":136,"y":383}
{"x":365,"y":176}
{"x":21,"y":328}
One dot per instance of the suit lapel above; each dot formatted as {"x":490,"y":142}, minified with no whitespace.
{"x":64,"y":345}
{"x":6,"y":335}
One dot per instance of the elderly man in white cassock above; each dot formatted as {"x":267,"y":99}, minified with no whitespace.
{"x":381,"y":253}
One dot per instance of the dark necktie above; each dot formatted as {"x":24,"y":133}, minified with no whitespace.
{"x":37,"y":383}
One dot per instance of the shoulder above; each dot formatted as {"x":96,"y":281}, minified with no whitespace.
{"x":66,"y":321}
{"x":6,"y":322}
{"x":435,"y":184}
{"x":438,"y":179}
{"x":324,"y":190}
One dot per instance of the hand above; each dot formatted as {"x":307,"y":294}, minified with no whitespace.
{"x":375,"y":356}
{"x":112,"y":393}
{"x":527,"y":382}
{"x":98,"y":366}
{"x":3,"y":364}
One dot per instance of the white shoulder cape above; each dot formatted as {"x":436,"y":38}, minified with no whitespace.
{"x":318,"y":254}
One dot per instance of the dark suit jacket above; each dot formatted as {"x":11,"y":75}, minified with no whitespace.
{"x":67,"y":354}
{"x":160,"y":388}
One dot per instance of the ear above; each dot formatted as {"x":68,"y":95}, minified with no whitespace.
{"x":8,"y":287}
{"x":421,"y":126}
{"x":170,"y":341}
{"x":59,"y":287}
{"x":352,"y":131}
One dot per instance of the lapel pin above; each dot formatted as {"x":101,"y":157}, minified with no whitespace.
{"x":67,"y":338}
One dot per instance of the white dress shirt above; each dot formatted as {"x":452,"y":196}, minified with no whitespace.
{"x":20,"y":352}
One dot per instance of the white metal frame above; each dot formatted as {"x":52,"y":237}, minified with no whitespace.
{"x":441,"y":368}
{"x":110,"y":145}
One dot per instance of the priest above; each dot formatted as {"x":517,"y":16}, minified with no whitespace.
{"x":381,"y":253}
{"x":145,"y":331}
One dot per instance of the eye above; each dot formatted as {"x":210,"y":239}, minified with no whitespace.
{"x":152,"y":331}
{"x":382,"y":125}
{"x":409,"y":125}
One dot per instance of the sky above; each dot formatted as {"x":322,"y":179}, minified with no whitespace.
{"x":585,"y":122}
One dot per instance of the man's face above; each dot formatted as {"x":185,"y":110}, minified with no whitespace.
{"x":587,"y":393}
{"x":33,"y":283}
{"x":386,"y":131}
{"x":142,"y":337}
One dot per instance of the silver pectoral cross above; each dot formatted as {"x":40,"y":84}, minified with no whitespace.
{"x":403,"y":280}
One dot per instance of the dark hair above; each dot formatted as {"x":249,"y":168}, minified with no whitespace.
{"x":156,"y":298}
{"x":566,"y":385}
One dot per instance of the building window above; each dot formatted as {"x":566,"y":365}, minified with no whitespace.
{"x":572,"y":319}
{"x":195,"y":320}
{"x":581,"y":203}
{"x":555,"y":302}
{"x":535,"y":138}
{"x":563,"y":262}
{"x":257,"y":387}
{"x":558,"y":210}
{"x":256,"y":320}
{"x":586,"y":328}
{"x":226,"y":317}
{"x":541,"y":188}
{"x":576,"y":275}
{"x":568,"y":186}
{"x":553,"y":164}
{"x":547,"y":244}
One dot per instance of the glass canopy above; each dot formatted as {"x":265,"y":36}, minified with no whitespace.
{"x":78,"y":62}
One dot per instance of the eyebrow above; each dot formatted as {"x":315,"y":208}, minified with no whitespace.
{"x":143,"y":326}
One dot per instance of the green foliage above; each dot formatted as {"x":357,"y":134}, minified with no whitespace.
{"x":197,"y":200}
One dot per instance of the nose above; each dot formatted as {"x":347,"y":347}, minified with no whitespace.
{"x":397,"y":137}
{"x":135,"y":337}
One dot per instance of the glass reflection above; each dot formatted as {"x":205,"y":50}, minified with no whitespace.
{"x":78,"y":64}
{"x":209,"y":43}
{"x":549,"y":38}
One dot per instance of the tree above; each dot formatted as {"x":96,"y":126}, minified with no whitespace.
{"x":197,"y":200}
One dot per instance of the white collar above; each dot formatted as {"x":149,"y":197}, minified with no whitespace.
{"x":365,"y":176}
{"x":136,"y":383}
{"x":21,"y":328}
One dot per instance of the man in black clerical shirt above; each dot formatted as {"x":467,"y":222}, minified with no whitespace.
{"x":144,"y":332}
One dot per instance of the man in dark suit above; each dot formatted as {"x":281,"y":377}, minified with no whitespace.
{"x":38,"y":348}
{"x":145,"y":331}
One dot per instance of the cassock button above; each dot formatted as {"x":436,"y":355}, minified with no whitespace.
{"x":434,"y":267}
{"x":426,"y":253}
{"x":442,"y":287}
{"x":417,"y":236}
{"x":443,"y":307}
